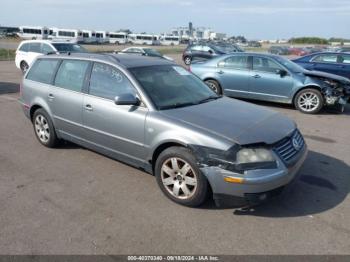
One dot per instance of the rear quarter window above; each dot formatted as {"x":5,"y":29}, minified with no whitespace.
{"x":43,"y":70}
{"x":24,"y":48}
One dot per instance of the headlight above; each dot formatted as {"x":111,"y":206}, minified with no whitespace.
{"x":255,"y":158}
{"x":236,"y":159}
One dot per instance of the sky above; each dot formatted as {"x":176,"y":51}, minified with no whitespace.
{"x":254,"y":19}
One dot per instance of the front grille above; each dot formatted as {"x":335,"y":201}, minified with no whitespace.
{"x":289,"y":147}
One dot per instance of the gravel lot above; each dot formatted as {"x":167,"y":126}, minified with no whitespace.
{"x":73,"y":201}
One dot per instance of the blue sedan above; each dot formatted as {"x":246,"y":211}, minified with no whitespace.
{"x":335,"y":63}
{"x":273,"y":78}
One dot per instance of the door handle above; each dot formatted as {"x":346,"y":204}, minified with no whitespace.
{"x":51,"y":96}
{"x":256,"y":76}
{"x":221,"y":72}
{"x":88,"y":107}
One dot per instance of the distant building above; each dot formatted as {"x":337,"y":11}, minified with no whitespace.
{"x":196,"y":33}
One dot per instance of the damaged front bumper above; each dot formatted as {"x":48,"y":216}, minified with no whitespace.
{"x":253,"y":186}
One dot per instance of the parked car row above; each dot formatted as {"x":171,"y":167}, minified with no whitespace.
{"x":298,"y":51}
{"x":154,"y":114}
{"x":273,"y":78}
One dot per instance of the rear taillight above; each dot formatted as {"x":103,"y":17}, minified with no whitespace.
{"x":20,"y":89}
{"x":189,"y":69}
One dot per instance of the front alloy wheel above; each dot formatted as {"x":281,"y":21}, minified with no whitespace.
{"x":180,"y":178}
{"x":309,"y":101}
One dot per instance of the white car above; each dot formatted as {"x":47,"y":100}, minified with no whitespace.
{"x":144,"y":51}
{"x":29,"y":50}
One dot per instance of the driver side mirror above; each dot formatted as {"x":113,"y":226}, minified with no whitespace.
{"x":281,"y":72}
{"x":127,"y":99}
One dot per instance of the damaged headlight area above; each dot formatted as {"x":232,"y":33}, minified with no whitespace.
{"x":236,"y":159}
{"x":335,"y":92}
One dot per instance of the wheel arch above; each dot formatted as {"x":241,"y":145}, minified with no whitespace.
{"x":303,"y":88}
{"x":161,"y":147}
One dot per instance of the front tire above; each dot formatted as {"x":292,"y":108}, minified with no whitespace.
{"x":214,"y":85}
{"x":179,"y":177}
{"x":44,"y":129}
{"x":309,"y":101}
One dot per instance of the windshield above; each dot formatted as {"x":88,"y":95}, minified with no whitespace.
{"x":226,"y":49}
{"x":62,"y":47}
{"x":171,"y":86}
{"x":152,"y":52}
{"x":291,"y":66}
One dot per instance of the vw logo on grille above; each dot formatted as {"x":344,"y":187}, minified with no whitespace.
{"x":296,"y":144}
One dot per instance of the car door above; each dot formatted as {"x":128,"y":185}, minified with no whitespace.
{"x":207,"y":52}
{"x":344,"y":61}
{"x":326,"y":63}
{"x":266,"y":83}
{"x":119,"y":129}
{"x":233,"y":74}
{"x":33,"y":52}
{"x":196,"y":52}
{"x":66,"y":97}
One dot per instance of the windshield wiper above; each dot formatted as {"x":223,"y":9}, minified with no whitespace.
{"x":177,"y":105}
{"x":208,"y":99}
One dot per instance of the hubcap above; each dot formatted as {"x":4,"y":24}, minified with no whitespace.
{"x":179,"y":178}
{"x":42,"y":128}
{"x":308,"y":101}
{"x":187,"y":61}
{"x":212,"y":86}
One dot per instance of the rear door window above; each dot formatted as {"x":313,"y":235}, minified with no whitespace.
{"x":71,"y":75}
{"x":108,"y":82}
{"x":43,"y":70}
{"x":35,"y":47}
{"x":236,"y":62}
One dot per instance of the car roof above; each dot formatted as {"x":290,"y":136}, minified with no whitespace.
{"x":125,"y":60}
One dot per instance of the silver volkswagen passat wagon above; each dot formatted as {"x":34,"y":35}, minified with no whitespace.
{"x":157,"y":116}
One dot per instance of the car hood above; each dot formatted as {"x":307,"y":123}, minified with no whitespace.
{"x":237,"y":121}
{"x":326,"y":75}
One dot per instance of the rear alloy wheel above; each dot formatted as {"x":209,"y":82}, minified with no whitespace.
{"x":179,"y":177}
{"x":309,"y":101}
{"x":44,"y":129}
{"x":214,"y":85}
{"x":24,"y":67}
{"x":187,"y":60}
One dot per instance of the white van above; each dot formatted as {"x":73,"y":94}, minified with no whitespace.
{"x":29,"y":50}
{"x":118,"y":38}
{"x":143,"y":39}
{"x":33,"y":32}
{"x":89,"y":36}
{"x":69,"y":35}
{"x":169,"y":40}
{"x":102,"y":37}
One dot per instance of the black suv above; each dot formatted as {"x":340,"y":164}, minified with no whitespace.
{"x":207,"y":51}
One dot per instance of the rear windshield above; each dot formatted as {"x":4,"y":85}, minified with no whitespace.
{"x":62,"y":47}
{"x":43,"y":70}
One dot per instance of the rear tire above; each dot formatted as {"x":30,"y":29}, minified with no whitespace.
{"x":44,"y":129}
{"x":24,"y":67}
{"x":214,"y":85}
{"x":187,"y":60}
{"x":309,"y":101}
{"x":179,"y":177}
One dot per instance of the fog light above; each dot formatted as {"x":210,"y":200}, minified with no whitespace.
{"x":230,"y":179}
